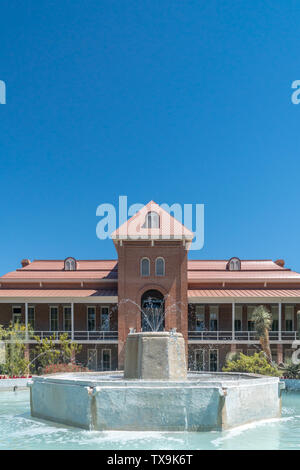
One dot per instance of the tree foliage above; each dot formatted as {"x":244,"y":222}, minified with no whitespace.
{"x":262,"y":319}
{"x":291,"y":370}
{"x":49,"y":351}
{"x":14,"y":362}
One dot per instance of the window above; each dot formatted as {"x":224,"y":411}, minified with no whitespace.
{"x":274,"y":355}
{"x":152,"y":220}
{"x":288,"y":354}
{"x":250,"y":310}
{"x":213,"y":360}
{"x":234,"y":264}
{"x":92,"y":359}
{"x":31,"y":317}
{"x":105,"y":359}
{"x":238,"y":317}
{"x":160,"y":267}
{"x":53,"y":318}
{"x":200,"y":318}
{"x":275,"y":321}
{"x":67,"y":318}
{"x":213,"y":317}
{"x":91,"y":318}
{"x":199,"y":359}
{"x":17,"y":314}
{"x":145,"y":267}
{"x":70,"y":264}
{"x":105,"y":323}
{"x":289,"y":318}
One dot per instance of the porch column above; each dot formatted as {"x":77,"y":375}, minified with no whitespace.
{"x":233,"y":320}
{"x":279,"y":320}
{"x":26,"y":321}
{"x":72,"y":321}
{"x":279,"y":354}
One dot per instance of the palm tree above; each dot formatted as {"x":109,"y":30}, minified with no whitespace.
{"x":262,"y":319}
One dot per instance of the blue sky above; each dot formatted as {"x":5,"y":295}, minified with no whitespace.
{"x":173,"y":101}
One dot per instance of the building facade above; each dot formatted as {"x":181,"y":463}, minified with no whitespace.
{"x":97,"y":301}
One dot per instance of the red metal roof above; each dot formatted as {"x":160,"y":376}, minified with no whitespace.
{"x":242,"y":275}
{"x":198,"y":270}
{"x":58,"y":293}
{"x":215,"y":293}
{"x":54,"y":269}
{"x":246,"y":265}
{"x":82,"y":265}
{"x":65,"y":275}
{"x":251,"y":270}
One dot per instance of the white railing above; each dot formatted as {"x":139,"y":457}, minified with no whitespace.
{"x":95,"y":335}
{"x":77,"y":335}
{"x":242,"y":336}
{"x":210,"y":335}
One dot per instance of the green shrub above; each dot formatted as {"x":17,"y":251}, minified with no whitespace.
{"x":256,"y":364}
{"x":62,"y":367}
{"x":291,"y":371}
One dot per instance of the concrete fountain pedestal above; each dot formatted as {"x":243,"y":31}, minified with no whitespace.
{"x":155,"y":393}
{"x":155,"y":355}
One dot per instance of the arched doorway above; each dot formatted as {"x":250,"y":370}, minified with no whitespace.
{"x":153,"y":311}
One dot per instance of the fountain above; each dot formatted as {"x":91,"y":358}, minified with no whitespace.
{"x":155,"y":392}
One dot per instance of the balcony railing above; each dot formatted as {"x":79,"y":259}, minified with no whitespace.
{"x":210,"y":335}
{"x":243,"y":336}
{"x":78,"y":335}
{"x":95,"y":335}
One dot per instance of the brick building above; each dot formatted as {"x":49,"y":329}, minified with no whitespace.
{"x":98,"y":301}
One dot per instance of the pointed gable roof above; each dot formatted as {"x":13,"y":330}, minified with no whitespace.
{"x":136,"y":227}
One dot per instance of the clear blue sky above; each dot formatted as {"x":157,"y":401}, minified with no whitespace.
{"x":176,"y":101}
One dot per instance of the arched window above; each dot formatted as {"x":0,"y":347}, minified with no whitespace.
{"x":152,"y":220}
{"x":234,"y":264}
{"x":70,"y":264}
{"x":153,"y":311}
{"x":160,"y":267}
{"x":145,"y":267}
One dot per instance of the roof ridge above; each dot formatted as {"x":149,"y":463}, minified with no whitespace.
{"x":63,"y":259}
{"x":241,"y":259}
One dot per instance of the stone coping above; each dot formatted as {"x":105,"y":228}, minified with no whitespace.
{"x":115,"y":379}
{"x":12,"y":384}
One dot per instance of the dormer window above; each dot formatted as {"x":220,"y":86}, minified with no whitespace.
{"x":234,"y":264}
{"x":70,"y":264}
{"x":152,"y":220}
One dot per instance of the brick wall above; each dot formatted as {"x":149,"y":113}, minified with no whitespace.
{"x":131,"y":285}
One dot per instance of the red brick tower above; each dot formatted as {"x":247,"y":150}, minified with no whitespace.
{"x":152,"y":251}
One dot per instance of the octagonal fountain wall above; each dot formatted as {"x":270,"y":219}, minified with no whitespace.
{"x":155,"y":393}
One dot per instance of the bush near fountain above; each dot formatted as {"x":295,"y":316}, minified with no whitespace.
{"x":151,"y":397}
{"x":63,"y":368}
{"x":256,"y":364}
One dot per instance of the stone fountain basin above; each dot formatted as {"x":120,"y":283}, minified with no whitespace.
{"x":202,"y":402}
